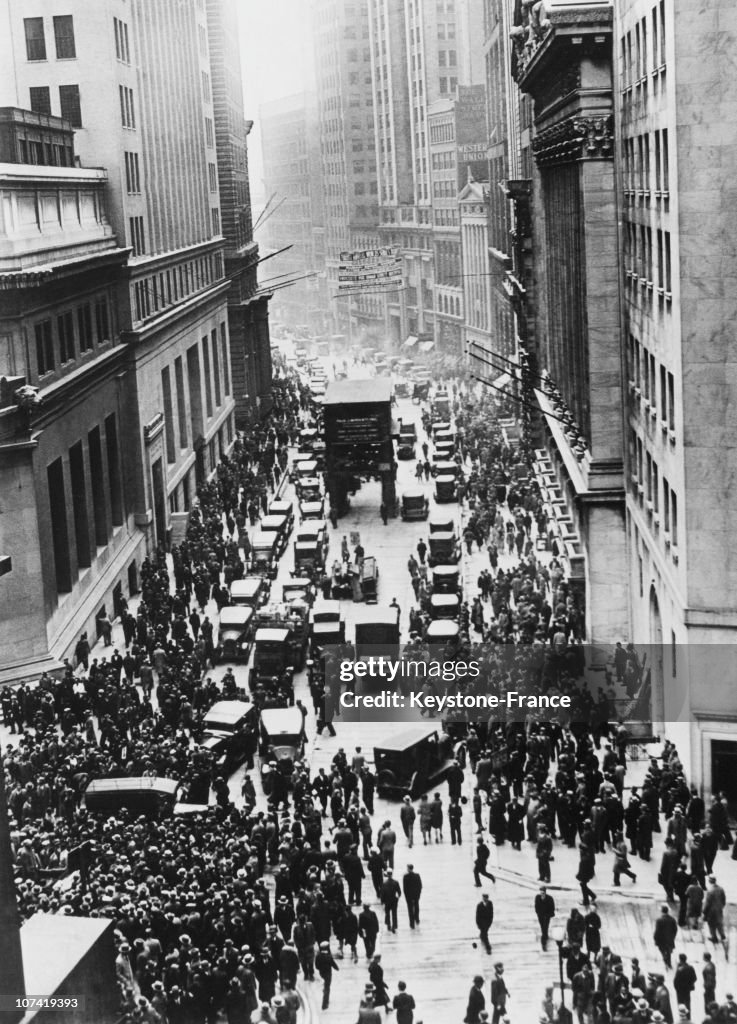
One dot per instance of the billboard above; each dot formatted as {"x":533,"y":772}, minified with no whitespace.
{"x":369,"y":269}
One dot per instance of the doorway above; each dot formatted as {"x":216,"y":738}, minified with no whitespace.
{"x":724,"y":772}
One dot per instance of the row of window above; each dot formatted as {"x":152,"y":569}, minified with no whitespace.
{"x":127,"y":107}
{"x":159,"y":291}
{"x":445,"y":189}
{"x":655,"y":383}
{"x":446,"y":218}
{"x":63,"y":38}
{"x":49,"y":154}
{"x":122,"y":48}
{"x":641,"y":55}
{"x":73,"y":333}
{"x":654,"y":493}
{"x":650,"y":264}
{"x":447,"y":58}
{"x":645,"y":164}
{"x":94,"y":470}
{"x":132,"y":174}
{"x":69,"y":105}
{"x":214,"y":351}
{"x":442,"y":161}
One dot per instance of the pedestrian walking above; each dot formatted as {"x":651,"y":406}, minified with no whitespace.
{"x":389,"y":896}
{"x":709,"y":979}
{"x":499,"y":993}
{"x":403,"y":1005}
{"x":384,"y":513}
{"x":545,"y":912}
{"x":412,"y":888}
{"x":407,"y":815}
{"x":368,"y":929}
{"x":684,"y":981}
{"x":480,"y":863}
{"x":664,"y":935}
{"x":476,"y":1002}
{"x":325,"y":965}
{"x":544,"y":853}
{"x":714,"y":904}
{"x":484,"y":920}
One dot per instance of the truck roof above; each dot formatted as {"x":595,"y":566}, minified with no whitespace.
{"x":358,"y":392}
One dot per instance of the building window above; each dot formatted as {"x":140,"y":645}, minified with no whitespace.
{"x":84,"y":326}
{"x":443,"y":85}
{"x":41,"y":99}
{"x":137,"y":239}
{"x":113,"y":468}
{"x":59,"y":533}
{"x":209,"y":135}
{"x":127,"y":108}
{"x":206,"y":95}
{"x":44,"y":347}
{"x":79,"y":506}
{"x":65,"y":330}
{"x":64,"y":37}
{"x":213,"y":176}
{"x":224,"y":354}
{"x":181,"y":407}
{"x":35,"y":38}
{"x":215,"y":222}
{"x":102,"y":321}
{"x":216,"y":367}
{"x":97,"y":481}
{"x":69,"y":102}
{"x":208,"y":376}
{"x":122,"y":50}
{"x":132,"y":174}
{"x":171,"y":449}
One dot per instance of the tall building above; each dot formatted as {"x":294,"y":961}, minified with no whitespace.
{"x":576,"y":307}
{"x":148,"y":113}
{"x":675,"y":143}
{"x":421,"y":53}
{"x":290,"y":145}
{"x":346,"y":125}
{"x":68,"y":520}
{"x":248,"y":305}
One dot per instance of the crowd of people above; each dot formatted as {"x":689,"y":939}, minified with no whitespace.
{"x":217,"y":915}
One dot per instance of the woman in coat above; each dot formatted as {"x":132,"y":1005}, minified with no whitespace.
{"x":425,"y":820}
{"x":436,"y":817}
{"x":592,"y":932}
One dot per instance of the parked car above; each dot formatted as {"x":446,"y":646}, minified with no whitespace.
{"x":444,"y":548}
{"x":412,"y":762}
{"x":283,"y":507}
{"x":445,"y":606}
{"x":279,"y":526}
{"x":235,"y":633}
{"x":326,"y":625}
{"x":446,"y":579}
{"x":264,"y":559}
{"x":415,"y":505}
{"x":272,"y":658}
{"x":442,"y":631}
{"x":445,"y":489}
{"x":312,"y":509}
{"x":154,"y":797}
{"x":252,"y":591}
{"x":229,"y":733}
{"x":281,"y":740}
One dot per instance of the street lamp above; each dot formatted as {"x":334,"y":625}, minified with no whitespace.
{"x":558,"y":934}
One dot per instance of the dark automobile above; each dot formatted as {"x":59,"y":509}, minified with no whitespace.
{"x":282,"y":507}
{"x":228,"y":733}
{"x":412,"y":762}
{"x":445,"y":606}
{"x":444,"y":547}
{"x":265,"y":551}
{"x":235,"y":633}
{"x":272,"y":658}
{"x":445,"y":489}
{"x":446,"y":579}
{"x":281,"y":740}
{"x":154,"y":797}
{"x":326,"y":625}
{"x":415,"y":505}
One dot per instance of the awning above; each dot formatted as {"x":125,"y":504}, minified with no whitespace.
{"x":411,"y":340}
{"x":427,"y":346}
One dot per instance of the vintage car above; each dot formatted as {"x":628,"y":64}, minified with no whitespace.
{"x":442,"y":631}
{"x":405,"y":446}
{"x":300,"y":588}
{"x":326,"y":625}
{"x":445,"y":606}
{"x":281,"y":742}
{"x":412,"y":762}
{"x":441,"y":407}
{"x":439,"y":428}
{"x":368,"y":579}
{"x":444,"y":450}
{"x":279,"y":526}
{"x":299,"y":460}
{"x":252,"y":591}
{"x":420,"y":390}
{"x":272,"y":658}
{"x":312,"y":510}
{"x":282,"y":507}
{"x":235,"y":633}
{"x":442,"y":522}
{"x":228,"y":729}
{"x":264,"y":558}
{"x":154,"y":797}
{"x":307,"y":438}
{"x":308,"y":489}
{"x":408,"y":429}
{"x":306,"y":468}
{"x":445,"y":489}
{"x":313,"y":531}
{"x":402,"y":389}
{"x":291,"y":615}
{"x":446,"y":579}
{"x":415,"y":505}
{"x":445,"y":468}
{"x":444,"y":548}
{"x":309,"y":557}
{"x":376,"y":631}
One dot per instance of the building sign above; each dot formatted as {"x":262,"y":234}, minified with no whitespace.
{"x":357,"y":430}
{"x":369,"y":269}
{"x":472,"y":151}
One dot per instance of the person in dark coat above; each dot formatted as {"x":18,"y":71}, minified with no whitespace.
{"x":476,"y":1001}
{"x":484,"y":920}
{"x":664,"y":936}
{"x":368,"y":929}
{"x":325,"y":965}
{"x":499,"y":993}
{"x":412,"y":888}
{"x":376,"y":977}
{"x":390,"y":893}
{"x":545,"y":912}
{"x":586,"y":869}
{"x":668,"y":867}
{"x":592,"y":932}
{"x":684,"y":981}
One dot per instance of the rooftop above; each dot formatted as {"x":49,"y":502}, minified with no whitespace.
{"x":355,"y":392}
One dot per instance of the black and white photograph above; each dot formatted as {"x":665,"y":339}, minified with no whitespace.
{"x":368,"y":512}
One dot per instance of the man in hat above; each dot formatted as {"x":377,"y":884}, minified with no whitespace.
{"x":484,"y":920}
{"x":368,"y":929}
{"x":545,"y":912}
{"x":684,"y":981}
{"x":325,"y":965}
{"x":407,"y":815}
{"x":714,"y":904}
{"x":664,"y":935}
{"x":709,"y":978}
{"x":412,"y":888}
{"x":403,"y":1004}
{"x":499,"y":993}
{"x":661,"y":998}
{"x":476,"y":1001}
{"x":390,"y":893}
